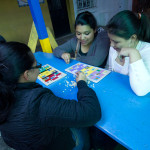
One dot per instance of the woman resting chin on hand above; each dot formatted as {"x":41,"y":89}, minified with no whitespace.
{"x":130,"y":49}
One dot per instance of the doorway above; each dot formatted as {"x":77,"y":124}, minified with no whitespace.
{"x":59,"y":17}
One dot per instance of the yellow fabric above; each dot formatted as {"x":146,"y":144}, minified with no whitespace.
{"x":33,"y":38}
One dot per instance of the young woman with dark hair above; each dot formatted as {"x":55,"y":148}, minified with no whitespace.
{"x":28,"y":118}
{"x":89,"y":46}
{"x":129,"y":53}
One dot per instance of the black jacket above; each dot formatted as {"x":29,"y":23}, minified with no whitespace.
{"x":39,"y":120}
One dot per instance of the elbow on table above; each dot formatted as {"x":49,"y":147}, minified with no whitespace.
{"x":97,"y":115}
{"x":140,"y":92}
{"x":94,"y":117}
{"x":139,"y":87}
{"x":54,"y":52}
{"x":57,"y":52}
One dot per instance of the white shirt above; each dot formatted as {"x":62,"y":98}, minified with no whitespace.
{"x":139,"y":71}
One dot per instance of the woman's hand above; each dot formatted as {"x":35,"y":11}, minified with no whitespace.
{"x":80,"y":76}
{"x":66,"y":57}
{"x":132,"y":53}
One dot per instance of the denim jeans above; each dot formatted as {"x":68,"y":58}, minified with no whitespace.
{"x":81,"y":138}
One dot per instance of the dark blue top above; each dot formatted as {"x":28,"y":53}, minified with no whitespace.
{"x":39,"y":120}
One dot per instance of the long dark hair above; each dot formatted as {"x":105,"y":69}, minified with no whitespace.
{"x":86,"y":18}
{"x":15,"y":58}
{"x":126,"y":23}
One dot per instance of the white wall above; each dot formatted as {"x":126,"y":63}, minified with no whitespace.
{"x":105,"y":9}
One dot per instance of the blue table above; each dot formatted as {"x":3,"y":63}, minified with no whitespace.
{"x":125,"y":116}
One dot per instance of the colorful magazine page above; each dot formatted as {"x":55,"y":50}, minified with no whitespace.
{"x":49,"y":74}
{"x":92,"y":73}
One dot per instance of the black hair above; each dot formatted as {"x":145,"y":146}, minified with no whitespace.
{"x":126,"y":23}
{"x":86,"y":18}
{"x":2,"y":40}
{"x":15,"y":58}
